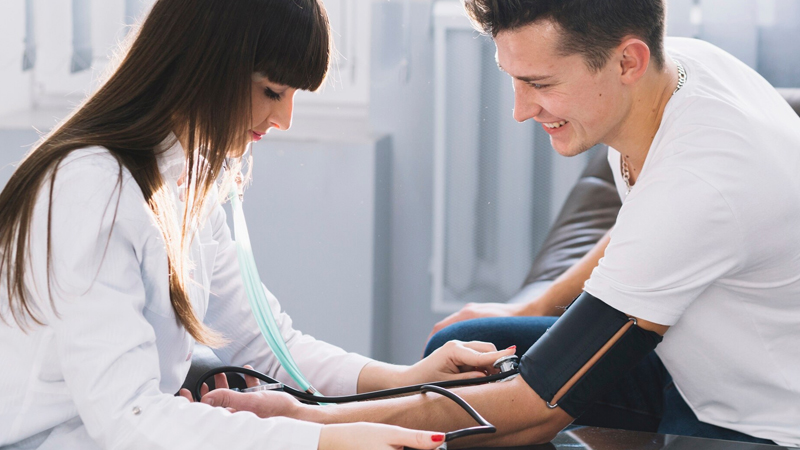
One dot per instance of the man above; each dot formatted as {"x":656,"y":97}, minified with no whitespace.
{"x":705,"y":155}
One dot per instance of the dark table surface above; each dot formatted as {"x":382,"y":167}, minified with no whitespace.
{"x":589,"y":438}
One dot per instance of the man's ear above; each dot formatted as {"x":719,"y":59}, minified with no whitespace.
{"x":633,"y":56}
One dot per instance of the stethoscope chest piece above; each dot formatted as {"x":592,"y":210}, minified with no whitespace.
{"x":507,"y":364}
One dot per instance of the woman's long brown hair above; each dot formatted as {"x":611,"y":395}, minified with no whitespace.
{"x":188,"y":70}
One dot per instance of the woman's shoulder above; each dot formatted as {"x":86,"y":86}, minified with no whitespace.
{"x":93,"y":163}
{"x":93,"y":169}
{"x":91,"y":180}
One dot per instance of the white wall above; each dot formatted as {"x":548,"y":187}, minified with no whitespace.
{"x":14,"y":84}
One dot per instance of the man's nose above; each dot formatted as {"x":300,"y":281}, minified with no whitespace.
{"x":526,"y":105}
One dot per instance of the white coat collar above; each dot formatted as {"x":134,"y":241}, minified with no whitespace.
{"x":171,"y":158}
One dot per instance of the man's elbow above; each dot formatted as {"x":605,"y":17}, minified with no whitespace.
{"x":543,"y":423}
{"x":541,"y":434}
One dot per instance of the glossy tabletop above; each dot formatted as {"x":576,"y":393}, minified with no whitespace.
{"x":589,"y":438}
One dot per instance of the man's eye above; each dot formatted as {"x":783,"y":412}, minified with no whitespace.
{"x":272,"y":95}
{"x":538,"y":86}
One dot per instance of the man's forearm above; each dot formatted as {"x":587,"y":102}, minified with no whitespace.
{"x":520,"y":416}
{"x":570,"y":284}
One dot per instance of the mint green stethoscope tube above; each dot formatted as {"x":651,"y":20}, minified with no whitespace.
{"x":258,"y":299}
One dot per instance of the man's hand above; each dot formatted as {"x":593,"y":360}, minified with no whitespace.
{"x":479,"y":310}
{"x":263,"y":403}
{"x":551,"y":302}
{"x":221,"y":383}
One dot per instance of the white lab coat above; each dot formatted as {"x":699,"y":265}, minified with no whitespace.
{"x":103,"y":372}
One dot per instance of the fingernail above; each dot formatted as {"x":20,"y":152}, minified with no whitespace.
{"x":208,"y":401}
{"x":513,"y":347}
{"x":437,"y":438}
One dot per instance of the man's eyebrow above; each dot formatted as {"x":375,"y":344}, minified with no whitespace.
{"x":527,"y":79}
{"x":533,"y":78}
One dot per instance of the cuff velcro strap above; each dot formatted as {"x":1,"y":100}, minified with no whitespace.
{"x":575,"y":338}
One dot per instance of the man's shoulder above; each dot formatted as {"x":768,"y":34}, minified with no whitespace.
{"x":684,"y":44}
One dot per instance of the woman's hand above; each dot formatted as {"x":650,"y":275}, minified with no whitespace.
{"x":455,"y":360}
{"x":372,"y":436}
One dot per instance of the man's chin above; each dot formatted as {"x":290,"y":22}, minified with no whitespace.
{"x":569,"y":149}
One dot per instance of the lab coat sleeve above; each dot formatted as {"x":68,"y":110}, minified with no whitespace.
{"x":328,"y":368}
{"x":106,"y":347}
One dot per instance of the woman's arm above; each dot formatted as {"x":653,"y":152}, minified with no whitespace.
{"x":108,"y":360}
{"x":330,"y":369}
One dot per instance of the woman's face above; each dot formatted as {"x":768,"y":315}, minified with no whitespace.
{"x":272,"y":106}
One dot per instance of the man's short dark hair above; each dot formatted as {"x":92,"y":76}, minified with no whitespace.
{"x":591,"y":28}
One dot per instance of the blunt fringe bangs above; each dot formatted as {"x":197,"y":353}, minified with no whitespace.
{"x":297,"y":51}
{"x":591,"y":28}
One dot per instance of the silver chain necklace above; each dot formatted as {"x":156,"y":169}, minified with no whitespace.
{"x":626,"y":174}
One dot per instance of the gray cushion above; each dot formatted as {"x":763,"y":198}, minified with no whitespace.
{"x":792,"y":95}
{"x":589,"y":211}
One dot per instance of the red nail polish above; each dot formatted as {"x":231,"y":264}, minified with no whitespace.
{"x":437,"y":438}
{"x":513,"y":346}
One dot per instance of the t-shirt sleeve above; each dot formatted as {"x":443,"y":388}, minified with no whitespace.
{"x":675,"y":235}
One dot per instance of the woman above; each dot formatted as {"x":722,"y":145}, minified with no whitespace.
{"x":115,"y":257}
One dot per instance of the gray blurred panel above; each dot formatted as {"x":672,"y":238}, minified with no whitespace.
{"x":462,"y":135}
{"x":733,"y":26}
{"x":779,"y":44}
{"x":404,"y":108}
{"x":81,"y":35}
{"x":14,"y":144}
{"x":489,"y":178}
{"x":29,"y":56}
{"x":318,"y":215}
{"x":136,"y":9}
{"x":679,"y":18}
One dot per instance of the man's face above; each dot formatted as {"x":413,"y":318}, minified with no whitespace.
{"x":577,"y":107}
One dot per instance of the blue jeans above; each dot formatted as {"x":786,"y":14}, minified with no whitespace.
{"x":645,"y":399}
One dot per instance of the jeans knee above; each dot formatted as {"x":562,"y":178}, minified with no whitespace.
{"x":452,"y":332}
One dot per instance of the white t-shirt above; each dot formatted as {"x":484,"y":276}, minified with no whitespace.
{"x":708,"y":242}
{"x":103,"y":373}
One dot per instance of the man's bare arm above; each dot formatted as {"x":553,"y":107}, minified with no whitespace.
{"x":551,"y":302}
{"x":520,"y":415}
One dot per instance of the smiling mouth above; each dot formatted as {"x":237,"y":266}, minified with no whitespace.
{"x":553,"y":125}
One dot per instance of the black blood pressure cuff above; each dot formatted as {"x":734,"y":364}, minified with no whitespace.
{"x":576,"y":337}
